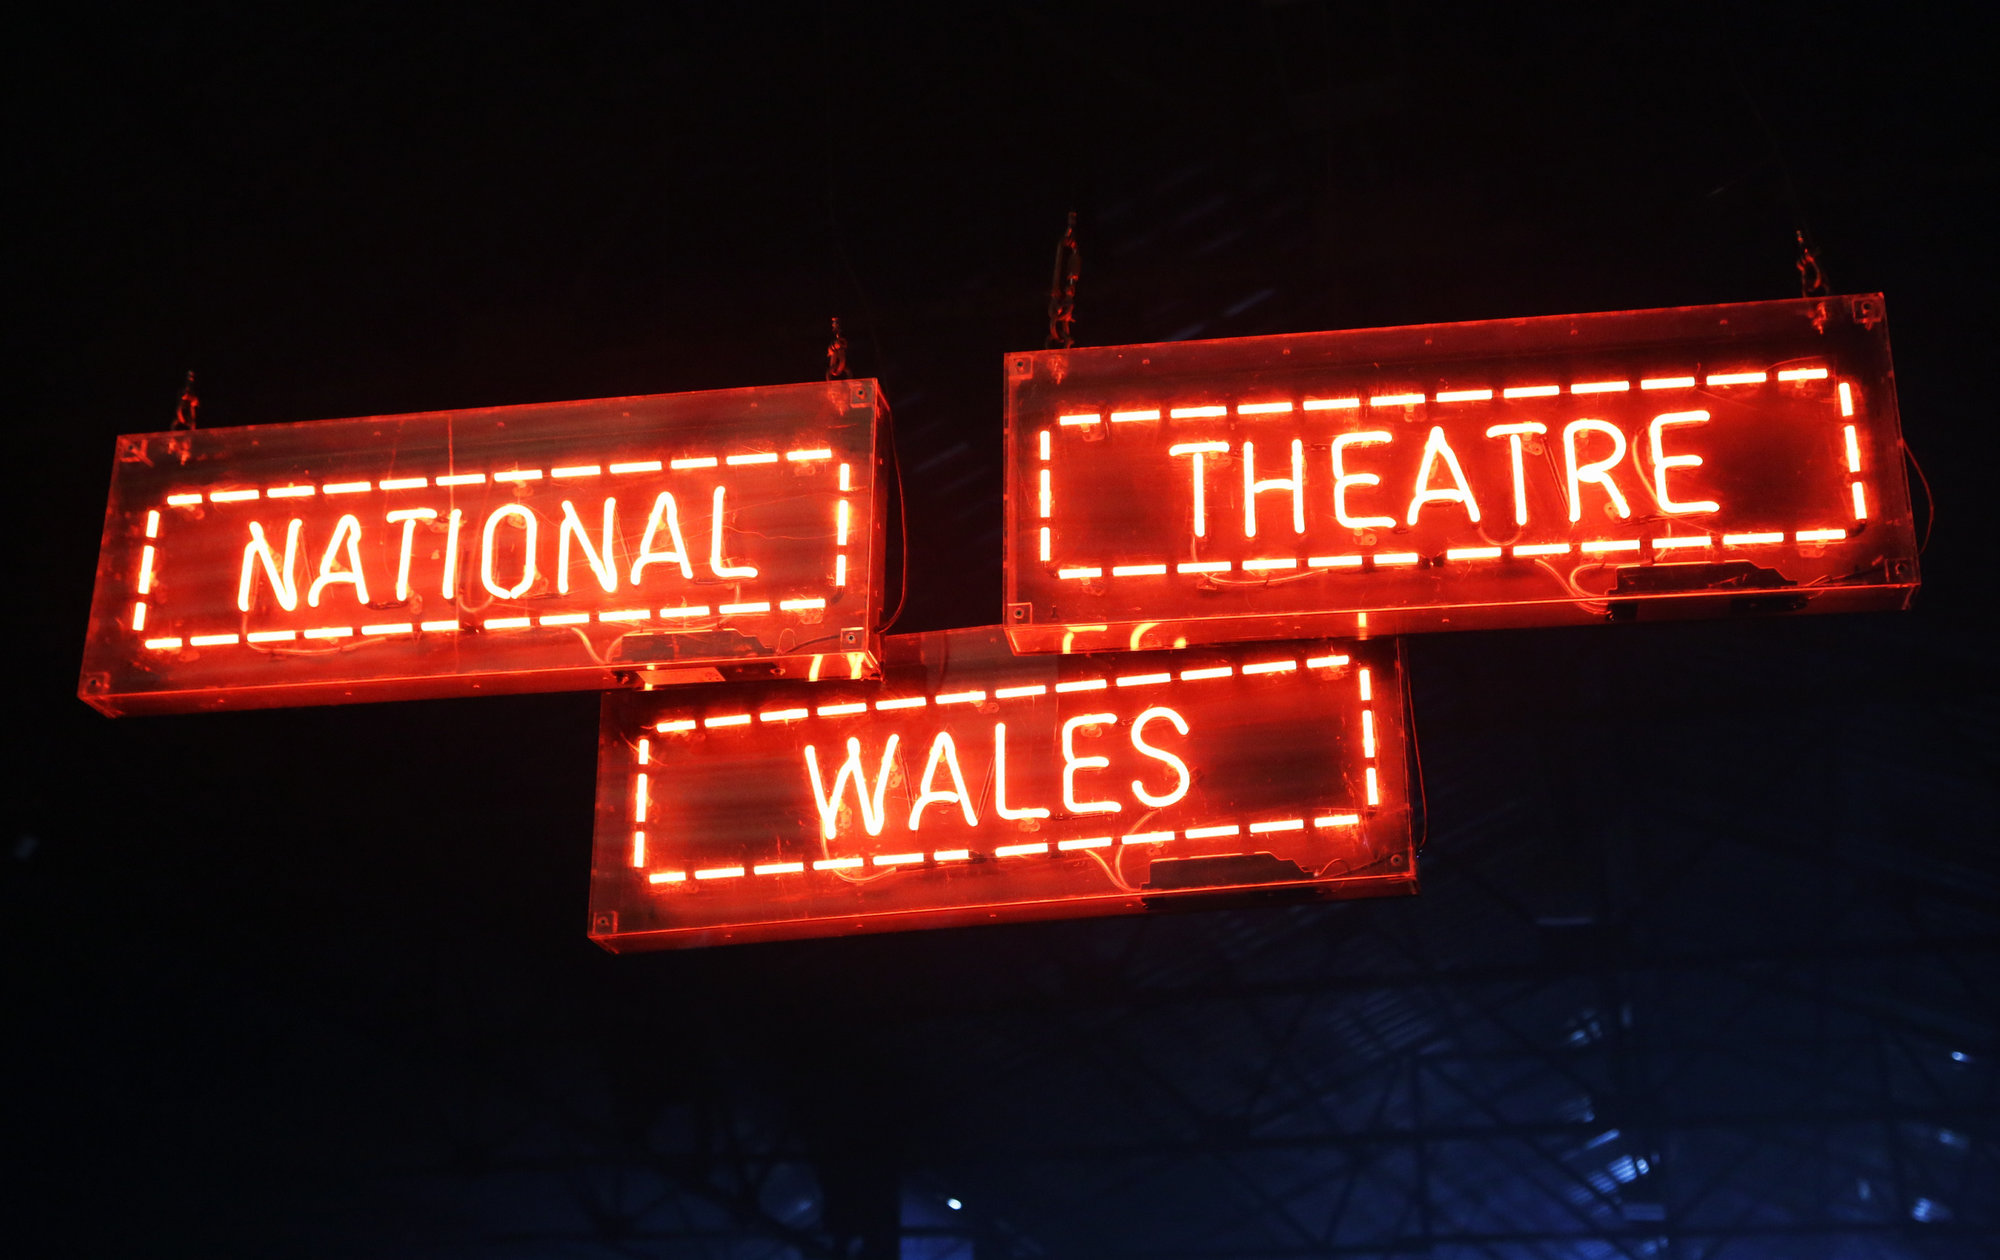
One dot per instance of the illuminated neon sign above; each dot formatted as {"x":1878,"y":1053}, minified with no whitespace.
{"x":971,"y":786}
{"x":615,"y":542}
{"x":1697,"y":461}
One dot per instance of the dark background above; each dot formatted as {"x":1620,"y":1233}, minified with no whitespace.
{"x":1705,"y":961}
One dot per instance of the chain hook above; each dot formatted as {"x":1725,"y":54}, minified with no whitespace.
{"x":836,"y":354}
{"x":1062,"y":290}
{"x":184,"y":410}
{"x":1812,"y":280}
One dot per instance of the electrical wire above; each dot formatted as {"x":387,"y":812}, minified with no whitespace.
{"x":1423,"y":818}
{"x":902,"y":515}
{"x":1930,"y":502}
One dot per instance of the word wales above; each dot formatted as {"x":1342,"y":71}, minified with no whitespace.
{"x":973,"y":785}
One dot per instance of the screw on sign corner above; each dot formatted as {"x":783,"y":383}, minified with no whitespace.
{"x":1018,"y":612}
{"x":1024,"y":366}
{"x":859,"y":394}
{"x":603,"y":922}
{"x":850,"y":638}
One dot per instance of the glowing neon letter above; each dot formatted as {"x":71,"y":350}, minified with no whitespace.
{"x":1197,"y":450}
{"x":1342,"y":479}
{"x":528,"y":524}
{"x":409,"y":518}
{"x":1180,"y":767}
{"x":1599,"y":471}
{"x":1434,"y":446}
{"x":942,"y":752}
{"x":1514,"y":433}
{"x":451,"y":554}
{"x":1663,"y":461}
{"x":347,"y":532}
{"x":663,"y":512}
{"x":715,"y":564}
{"x":1000,"y":779}
{"x":829,"y":805}
{"x":600,"y":562}
{"x":286,"y":585}
{"x":1073,"y":763}
{"x":1252,"y":487}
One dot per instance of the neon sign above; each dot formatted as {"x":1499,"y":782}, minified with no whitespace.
{"x":1698,"y":461}
{"x":615,"y":542}
{"x":972,"y":786}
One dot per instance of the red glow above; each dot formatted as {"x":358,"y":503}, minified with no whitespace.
{"x":1437,"y":476}
{"x":626,"y":541}
{"x":968,"y":786}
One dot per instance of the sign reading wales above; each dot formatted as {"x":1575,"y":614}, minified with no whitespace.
{"x":971,"y":785}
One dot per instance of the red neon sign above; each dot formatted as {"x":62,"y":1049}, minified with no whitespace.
{"x":1697,"y":461}
{"x":971,"y":786}
{"x":620,"y":541}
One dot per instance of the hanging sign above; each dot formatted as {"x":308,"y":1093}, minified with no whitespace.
{"x":615,"y":542}
{"x":1698,"y":461}
{"x":972,"y":786}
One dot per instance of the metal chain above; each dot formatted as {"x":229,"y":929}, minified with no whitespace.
{"x":836,"y":354}
{"x":1062,"y":290}
{"x":1812,"y":280}
{"x":184,"y":410}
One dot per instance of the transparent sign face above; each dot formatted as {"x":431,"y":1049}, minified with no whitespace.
{"x":1701,"y":461}
{"x":973,"y":786}
{"x":614,"y":542}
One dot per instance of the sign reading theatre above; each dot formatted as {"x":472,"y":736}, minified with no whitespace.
{"x":972,"y":785}
{"x":1513,"y":472}
{"x":622,"y":541}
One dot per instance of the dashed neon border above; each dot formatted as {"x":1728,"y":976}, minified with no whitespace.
{"x":622,"y":617}
{"x":641,"y":798}
{"x":1817,"y":537}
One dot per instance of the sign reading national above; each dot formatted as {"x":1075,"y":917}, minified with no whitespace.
{"x":971,"y":785}
{"x":615,"y":542}
{"x":1697,"y":461}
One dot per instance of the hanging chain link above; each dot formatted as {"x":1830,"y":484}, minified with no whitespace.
{"x":836,"y":354}
{"x":184,"y":410}
{"x":1812,"y":280}
{"x":1062,"y":290}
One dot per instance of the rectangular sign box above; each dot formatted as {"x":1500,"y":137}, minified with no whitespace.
{"x":971,"y":785}
{"x":613,"y":542}
{"x":1691,"y":462}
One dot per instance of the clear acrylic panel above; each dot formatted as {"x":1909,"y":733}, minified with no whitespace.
{"x":971,"y":785}
{"x":613,"y":542}
{"x":1701,"y":461}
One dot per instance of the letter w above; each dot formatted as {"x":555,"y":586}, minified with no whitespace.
{"x":829,"y":803}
